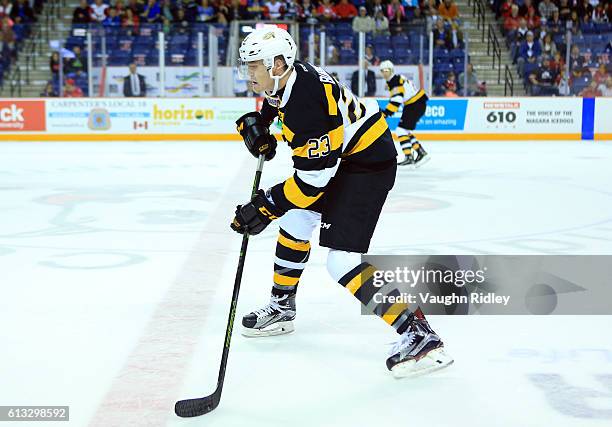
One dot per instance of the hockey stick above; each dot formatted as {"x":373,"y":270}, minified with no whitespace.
{"x":204,"y":405}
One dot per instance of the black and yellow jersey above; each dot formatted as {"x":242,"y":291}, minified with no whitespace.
{"x":324,"y":124}
{"x":402,"y":91}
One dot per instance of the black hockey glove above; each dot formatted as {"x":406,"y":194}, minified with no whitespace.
{"x":256,"y":215}
{"x":256,"y":135}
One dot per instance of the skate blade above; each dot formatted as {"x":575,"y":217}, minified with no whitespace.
{"x":434,"y":361}
{"x":407,"y":166}
{"x":279,"y":328}
{"x":422,"y":162}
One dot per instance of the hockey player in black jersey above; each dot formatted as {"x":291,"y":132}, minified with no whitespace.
{"x":344,"y":166}
{"x":404,"y":92}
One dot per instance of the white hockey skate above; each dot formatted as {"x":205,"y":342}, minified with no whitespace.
{"x":418,"y":351}
{"x":276,"y":318}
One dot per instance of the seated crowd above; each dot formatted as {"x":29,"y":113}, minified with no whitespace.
{"x":537,"y":35}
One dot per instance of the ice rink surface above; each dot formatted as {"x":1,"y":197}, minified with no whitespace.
{"x":118,"y":263}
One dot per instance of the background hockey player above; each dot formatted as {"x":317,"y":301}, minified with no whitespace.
{"x":345,"y":165}
{"x":403,"y":92}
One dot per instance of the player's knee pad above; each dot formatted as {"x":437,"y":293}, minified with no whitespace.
{"x":300,"y":223}
{"x":339,"y":263}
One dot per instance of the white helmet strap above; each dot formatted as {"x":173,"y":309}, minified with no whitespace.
{"x":269,"y":63}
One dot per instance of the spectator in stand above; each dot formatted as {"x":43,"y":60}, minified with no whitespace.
{"x":136,"y":6}
{"x":529,"y":51}
{"x":575,"y":21}
{"x":584,"y":8}
{"x":505,"y":10}
{"x":512,"y":21}
{"x":555,"y":25}
{"x":369,"y":85}
{"x":533,"y":21}
{"x":600,"y":14}
{"x":363,"y":22}
{"x":549,"y":48}
{"x":112,"y":20}
{"x":6,"y":7}
{"x":98,"y":11}
{"x":120,"y":8}
{"x":291,"y":9}
{"x":167,"y":10}
{"x":456,"y":37}
{"x":326,"y":12}
{"x":256,"y":10}
{"x":82,"y":13}
{"x":543,"y":81}
{"x":181,"y":23}
{"x":591,"y":91}
{"x":151,"y":13}
{"x":222,"y":13}
{"x":206,"y":12}
{"x":22,"y":13}
{"x":54,"y":63}
{"x":546,"y":9}
{"x":526,"y":7}
{"x":562,"y":83}
{"x":236,"y":11}
{"x":71,"y":90}
{"x":381,"y":24}
{"x":516,"y":38}
{"x":345,"y":11}
{"x":395,"y":11}
{"x":565,"y":10}
{"x":370,"y":57}
{"x":333,"y":55}
{"x":450,"y":85}
{"x":601,"y":74}
{"x":473,"y":85}
{"x":307,"y":12}
{"x":376,"y":6}
{"x":276,"y":9}
{"x":606,"y":88}
{"x":131,"y":21}
{"x":430,"y":8}
{"x":448,"y":10}
{"x":440,"y":34}
{"x":576,"y":61}
{"x":77,"y":63}
{"x":7,"y":35}
{"x":557,"y":63}
{"x":49,"y":92}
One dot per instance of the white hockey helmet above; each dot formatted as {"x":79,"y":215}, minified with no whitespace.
{"x":386,"y":65}
{"x":266,"y":44}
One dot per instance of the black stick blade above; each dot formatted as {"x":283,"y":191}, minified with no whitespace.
{"x":196,"y":407}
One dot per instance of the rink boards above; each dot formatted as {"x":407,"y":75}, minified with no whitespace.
{"x":153,"y":119}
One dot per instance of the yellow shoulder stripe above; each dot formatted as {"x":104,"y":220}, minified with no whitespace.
{"x":332,"y":105}
{"x":369,"y":136}
{"x":287,"y":133}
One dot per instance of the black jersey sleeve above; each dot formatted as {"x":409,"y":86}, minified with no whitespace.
{"x":396,"y":89}
{"x":268,"y":112}
{"x":315,"y":134}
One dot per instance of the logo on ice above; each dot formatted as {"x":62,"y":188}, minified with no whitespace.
{"x":22,"y":116}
